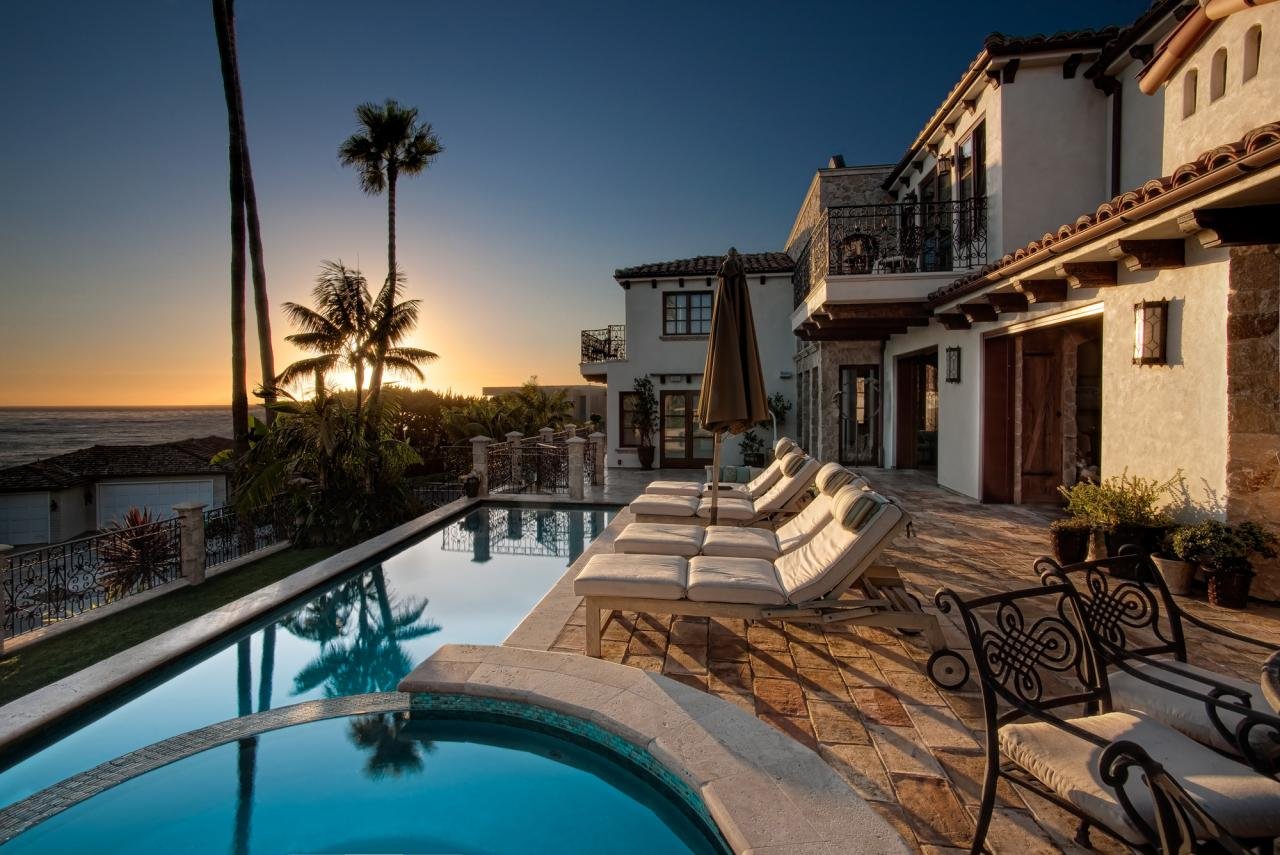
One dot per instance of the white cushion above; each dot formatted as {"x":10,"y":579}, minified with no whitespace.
{"x":660,"y":539}
{"x":1185,"y":715}
{"x":783,"y":494}
{"x":734,"y":580}
{"x":740,"y":542}
{"x":833,"y":476}
{"x":784,"y":446}
{"x":658,"y":577}
{"x":674,"y":488}
{"x":664,"y":506}
{"x":1242,"y":801}
{"x":730,"y":508}
{"x":816,"y":568}
{"x":801,"y":528}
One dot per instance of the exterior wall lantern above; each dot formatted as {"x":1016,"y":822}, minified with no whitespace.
{"x":953,"y":365}
{"x":1151,"y":332}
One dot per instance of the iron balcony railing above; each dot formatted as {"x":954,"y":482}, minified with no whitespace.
{"x":605,"y":345}
{"x":903,"y":237}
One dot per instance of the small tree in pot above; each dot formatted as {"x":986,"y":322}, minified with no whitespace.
{"x":1225,"y":552}
{"x":644,"y":418}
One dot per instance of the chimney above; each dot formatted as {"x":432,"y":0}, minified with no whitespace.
{"x":836,"y":162}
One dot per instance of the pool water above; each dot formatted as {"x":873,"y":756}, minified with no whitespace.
{"x":377,"y":784}
{"x":472,"y":581}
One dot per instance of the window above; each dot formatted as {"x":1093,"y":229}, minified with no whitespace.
{"x":1252,"y":51}
{"x":628,"y":436}
{"x":1218,"y":75}
{"x":1189,"y":83}
{"x":971,"y":165}
{"x":686,"y":313}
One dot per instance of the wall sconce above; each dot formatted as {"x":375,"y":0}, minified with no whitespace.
{"x":1150,"y":332}
{"x":945,"y":162}
{"x":953,"y":365}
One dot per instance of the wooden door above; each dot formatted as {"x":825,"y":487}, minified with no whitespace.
{"x":1041,"y":416}
{"x":683,"y":444}
{"x":997,"y":419}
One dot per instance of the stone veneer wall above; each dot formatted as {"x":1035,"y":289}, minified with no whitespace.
{"x":821,"y":361}
{"x":1253,"y":397}
{"x":835,"y":187}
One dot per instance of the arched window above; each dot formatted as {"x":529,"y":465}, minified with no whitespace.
{"x":1252,"y":51}
{"x":1189,"y":93}
{"x":1218,"y":75}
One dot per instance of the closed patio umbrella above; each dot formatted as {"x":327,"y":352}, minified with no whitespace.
{"x":732,"y":398}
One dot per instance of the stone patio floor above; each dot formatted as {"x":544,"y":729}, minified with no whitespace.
{"x":859,"y":696}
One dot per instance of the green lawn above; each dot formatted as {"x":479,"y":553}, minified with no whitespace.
{"x":43,"y":663}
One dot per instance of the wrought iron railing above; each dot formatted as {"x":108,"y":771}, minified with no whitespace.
{"x":605,"y":345}
{"x":906,"y":237}
{"x":435,"y":494}
{"x":229,"y":534}
{"x":62,"y":580}
{"x":521,"y":531}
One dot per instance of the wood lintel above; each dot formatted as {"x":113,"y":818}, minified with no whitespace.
{"x":1008,"y":301}
{"x":1148,"y":254}
{"x":1088,"y":274}
{"x":1248,"y":225}
{"x":1042,"y":290}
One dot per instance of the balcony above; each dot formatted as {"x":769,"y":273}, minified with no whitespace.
{"x":908,"y":237}
{"x":600,"y":347}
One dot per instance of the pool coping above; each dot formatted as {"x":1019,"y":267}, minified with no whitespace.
{"x":767,"y":793}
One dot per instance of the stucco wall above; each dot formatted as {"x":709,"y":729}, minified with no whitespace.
{"x":1244,"y":105}
{"x":74,"y":515}
{"x":1141,"y":132}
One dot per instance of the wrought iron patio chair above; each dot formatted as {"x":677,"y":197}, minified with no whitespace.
{"x":1036,"y":655}
{"x":1139,"y":629}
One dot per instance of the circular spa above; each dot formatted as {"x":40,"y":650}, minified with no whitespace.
{"x":388,"y":782}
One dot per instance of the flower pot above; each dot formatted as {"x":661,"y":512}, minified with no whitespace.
{"x":1177,"y":574}
{"x":1145,"y":538}
{"x":471,"y":486}
{"x":755,"y":458}
{"x":645,"y":453}
{"x":1070,"y":545}
{"x":1229,"y":589}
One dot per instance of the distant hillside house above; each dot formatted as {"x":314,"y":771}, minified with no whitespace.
{"x":65,"y":496}
{"x":587,"y":400}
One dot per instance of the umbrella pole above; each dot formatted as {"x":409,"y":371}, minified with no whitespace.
{"x":715,"y":479}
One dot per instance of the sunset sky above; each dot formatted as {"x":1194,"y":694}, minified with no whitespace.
{"x":580,"y":137}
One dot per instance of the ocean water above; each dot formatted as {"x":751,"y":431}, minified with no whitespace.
{"x":29,"y":434}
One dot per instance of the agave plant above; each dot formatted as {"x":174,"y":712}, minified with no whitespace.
{"x":138,"y":553}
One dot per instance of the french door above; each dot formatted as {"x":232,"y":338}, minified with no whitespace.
{"x":684,"y":443}
{"x":860,"y":415}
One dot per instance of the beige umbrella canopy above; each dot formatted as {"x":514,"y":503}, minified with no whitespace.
{"x":732,"y":398}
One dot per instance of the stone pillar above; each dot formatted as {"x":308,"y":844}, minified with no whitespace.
{"x":191,"y":538}
{"x":513,"y":439}
{"x":570,"y":428}
{"x":598,"y":449}
{"x":577,"y":452}
{"x":4,"y":593}
{"x":480,"y":461}
{"x":577,"y":535}
{"x":546,"y":434}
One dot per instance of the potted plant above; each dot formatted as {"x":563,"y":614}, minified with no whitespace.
{"x":1225,"y":552}
{"x":1136,"y":517}
{"x":1176,"y":569}
{"x":752,"y":449}
{"x":470,"y":484}
{"x":644,"y":418}
{"x":1070,"y":538}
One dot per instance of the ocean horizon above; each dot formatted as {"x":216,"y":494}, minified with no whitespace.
{"x":34,"y":433}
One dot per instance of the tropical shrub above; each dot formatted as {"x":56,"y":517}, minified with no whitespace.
{"x":1120,"y":501}
{"x":138,"y":553}
{"x":1219,"y":546}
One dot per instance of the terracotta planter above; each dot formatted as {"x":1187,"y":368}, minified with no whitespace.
{"x":1177,"y":574}
{"x":1230,"y":588}
{"x":1070,"y":546}
{"x":645,"y":453}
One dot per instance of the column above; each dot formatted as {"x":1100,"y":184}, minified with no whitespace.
{"x":191,"y":539}
{"x":546,"y":434}
{"x":577,"y":450}
{"x":480,"y":461}
{"x":598,"y":450}
{"x":513,"y":439}
{"x":4,"y":592}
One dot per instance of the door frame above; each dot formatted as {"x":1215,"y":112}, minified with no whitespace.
{"x":691,"y":405}
{"x":878,"y":368}
{"x":904,"y":404}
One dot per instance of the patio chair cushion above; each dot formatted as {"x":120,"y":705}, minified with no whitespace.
{"x":674,"y":488}
{"x":664,"y":506}
{"x":1238,"y":798}
{"x":734,"y":580}
{"x":831,"y":477}
{"x":730,"y":508}
{"x":792,"y":463}
{"x":660,"y":539}
{"x":1185,"y":715}
{"x":826,"y":561}
{"x":740,"y":542}
{"x":657,"y":577}
{"x":784,"y":446}
{"x":784,"y":493}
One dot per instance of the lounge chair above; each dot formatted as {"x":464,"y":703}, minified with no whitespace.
{"x":784,"y":499}
{"x":728,"y":541}
{"x":805,"y":585}
{"x":753,"y":489}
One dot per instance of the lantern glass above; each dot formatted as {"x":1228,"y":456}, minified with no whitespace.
{"x":953,"y":365}
{"x":1150,"y":332}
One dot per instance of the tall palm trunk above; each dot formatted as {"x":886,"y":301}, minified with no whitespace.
{"x":224,"y":21}
{"x":247,"y":753}
{"x":261,"y":304}
{"x":375,"y":383}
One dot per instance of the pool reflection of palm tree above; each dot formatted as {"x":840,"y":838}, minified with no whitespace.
{"x":394,"y":744}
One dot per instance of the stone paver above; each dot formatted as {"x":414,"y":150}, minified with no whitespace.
{"x":860,"y":697}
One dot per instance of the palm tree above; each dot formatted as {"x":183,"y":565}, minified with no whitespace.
{"x":536,"y":407}
{"x":341,"y":328}
{"x":391,"y":142}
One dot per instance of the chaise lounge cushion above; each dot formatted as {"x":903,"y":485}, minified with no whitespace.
{"x":660,"y":539}
{"x":730,"y":508}
{"x":1185,"y":715}
{"x":1238,"y":798}
{"x":656,"y":577}
{"x":674,"y":488}
{"x":738,"y":542}
{"x":734,"y":580}
{"x":664,"y":506}
{"x":813,"y":570}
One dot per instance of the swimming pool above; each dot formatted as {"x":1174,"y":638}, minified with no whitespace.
{"x":384,"y":783}
{"x":471,"y":581}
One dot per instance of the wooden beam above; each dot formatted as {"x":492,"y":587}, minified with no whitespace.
{"x":1142,"y":53}
{"x":953,"y":321}
{"x":1008,"y":301}
{"x":1042,"y":290}
{"x":970,"y":105}
{"x":976,"y":312}
{"x":1088,"y":274}
{"x":874,"y":311}
{"x":1148,"y":254}
{"x":1250,"y":225}
{"x":1070,"y":65}
{"x":1010,"y":70}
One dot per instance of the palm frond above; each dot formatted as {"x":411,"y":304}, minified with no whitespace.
{"x":404,"y":366}
{"x":413,"y":354}
{"x":307,"y":368}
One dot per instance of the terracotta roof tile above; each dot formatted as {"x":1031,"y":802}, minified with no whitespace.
{"x":184,"y":457}
{"x":1210,"y":161}
{"x":708,"y":265}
